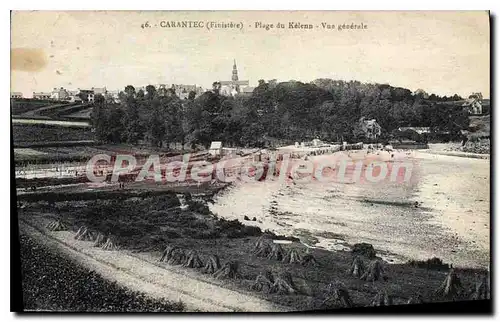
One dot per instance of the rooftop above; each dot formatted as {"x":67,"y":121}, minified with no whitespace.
{"x":216,"y":145}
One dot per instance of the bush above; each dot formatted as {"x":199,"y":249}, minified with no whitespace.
{"x":251,"y":231}
{"x":198,"y":223}
{"x":234,"y":233}
{"x":199,"y":207}
{"x":364,"y":249}
{"x":230,"y":224}
{"x":210,"y":234}
{"x":200,"y":234}
{"x":167,"y":200}
{"x":432,"y":263}
{"x":172,"y":233}
{"x":235,"y":229}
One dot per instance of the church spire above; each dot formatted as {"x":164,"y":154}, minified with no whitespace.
{"x":234,"y":78}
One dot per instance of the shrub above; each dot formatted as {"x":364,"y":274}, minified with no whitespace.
{"x":283,"y":284}
{"x":364,"y":249}
{"x":292,"y":256}
{"x":276,"y":252}
{"x":229,"y":270}
{"x":251,"y":231}
{"x":199,"y":207}
{"x":263,"y":282}
{"x":482,"y":289}
{"x":172,"y":233}
{"x":432,"y":263}
{"x":357,"y":268}
{"x":309,"y":260}
{"x":337,"y":296}
{"x":451,"y":287}
{"x":229,"y":224}
{"x":382,"y":299}
{"x":198,"y":223}
{"x":56,"y":225}
{"x":374,"y":272}
{"x":193,"y":260}
{"x":209,"y":234}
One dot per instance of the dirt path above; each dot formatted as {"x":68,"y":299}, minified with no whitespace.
{"x":139,"y":275}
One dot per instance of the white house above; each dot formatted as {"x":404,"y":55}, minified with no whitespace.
{"x":41,"y":95}
{"x":16,"y":95}
{"x":60,"y":94}
{"x":317,"y":143}
{"x":74,"y":99}
{"x":215,"y":148}
{"x":371,"y":128}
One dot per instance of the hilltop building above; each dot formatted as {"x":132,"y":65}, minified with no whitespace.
{"x":235,"y":86}
{"x":42,"y":95}
{"x":371,"y":128}
{"x":474,"y":103}
{"x":215,"y":148}
{"x":73,"y":96}
{"x":16,"y":95}
{"x":422,"y":93}
{"x":86,"y":95}
{"x":182,"y":91}
{"x":99,"y":90}
{"x":60,"y":94}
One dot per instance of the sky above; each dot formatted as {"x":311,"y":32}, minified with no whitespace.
{"x":442,"y":52}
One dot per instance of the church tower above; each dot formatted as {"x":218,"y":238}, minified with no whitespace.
{"x":234,"y":78}
{"x":232,"y":87}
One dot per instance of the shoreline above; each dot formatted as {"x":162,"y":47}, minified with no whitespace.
{"x":458,"y":154}
{"x":287,"y":210}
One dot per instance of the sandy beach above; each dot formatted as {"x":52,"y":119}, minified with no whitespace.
{"x":443,"y":211}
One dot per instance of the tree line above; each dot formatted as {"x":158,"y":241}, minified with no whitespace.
{"x":288,"y":111}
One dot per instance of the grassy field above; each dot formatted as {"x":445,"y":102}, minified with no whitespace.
{"x":43,"y":133}
{"x":23,"y":106}
{"x":148,"y":224}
